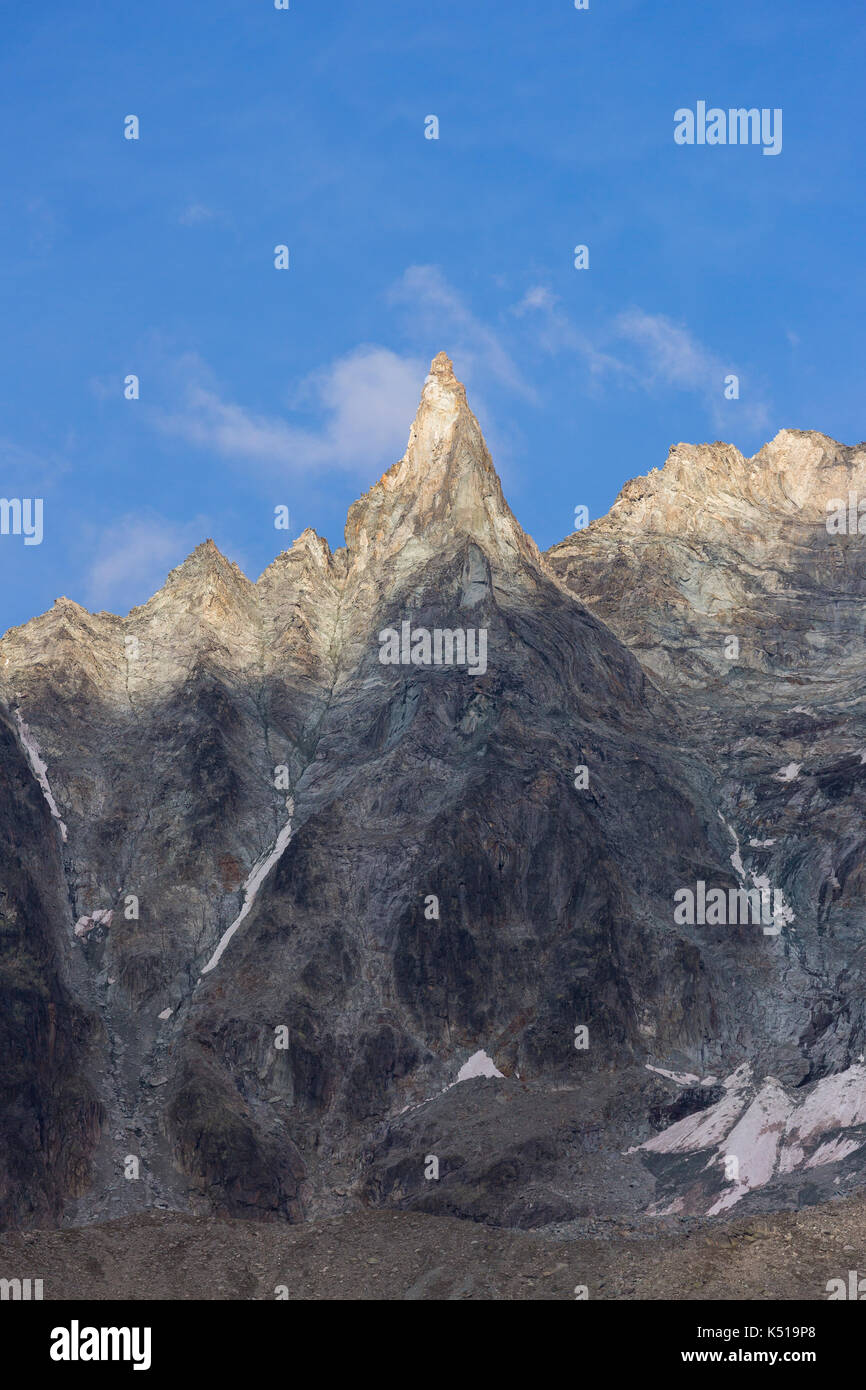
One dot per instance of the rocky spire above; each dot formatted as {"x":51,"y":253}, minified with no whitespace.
{"x":444,"y":489}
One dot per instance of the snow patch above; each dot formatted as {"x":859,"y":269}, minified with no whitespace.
{"x":674,"y":1209}
{"x":254,"y":881}
{"x":101,"y":918}
{"x":682,"y":1078}
{"x":736,"y":857}
{"x":832,"y":1151}
{"x":837,"y":1102}
{"x":788,"y":773}
{"x":755,"y":1138}
{"x":39,"y":770}
{"x":708,"y":1127}
{"x":783,"y":915}
{"x":771,"y":1133}
{"x":479,"y":1064}
{"x":166,"y":1013}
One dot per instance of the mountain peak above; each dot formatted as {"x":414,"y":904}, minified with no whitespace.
{"x":206,"y":586}
{"x":442,"y":365}
{"x":444,"y":489}
{"x":207,"y":552}
{"x":206,"y":559}
{"x":442,"y":376}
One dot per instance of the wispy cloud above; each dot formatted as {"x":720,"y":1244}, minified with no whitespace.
{"x":670,"y":355}
{"x":443,"y":316}
{"x":363,"y":403}
{"x":555,"y":333}
{"x":195,"y":213}
{"x":647,"y":351}
{"x":366,"y":399}
{"x":26,"y":472}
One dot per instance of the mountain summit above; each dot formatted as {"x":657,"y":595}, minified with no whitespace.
{"x":445,"y":487}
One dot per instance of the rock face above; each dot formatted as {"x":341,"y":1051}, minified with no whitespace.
{"x":714,"y":545}
{"x":284,"y":869}
{"x":739,"y":584}
{"x":49,"y":1034}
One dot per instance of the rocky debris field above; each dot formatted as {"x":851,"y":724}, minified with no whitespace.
{"x":382,"y":1255}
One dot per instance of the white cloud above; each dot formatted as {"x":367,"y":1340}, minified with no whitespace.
{"x":555,"y":332}
{"x":671,"y":355}
{"x":538,"y":297}
{"x":363,"y":403}
{"x":368,"y":400}
{"x":651,"y":351}
{"x":439,"y":313}
{"x":194,"y":213}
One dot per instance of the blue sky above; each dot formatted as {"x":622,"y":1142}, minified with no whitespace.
{"x":262,"y":387}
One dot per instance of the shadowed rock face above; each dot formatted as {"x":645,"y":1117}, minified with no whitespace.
{"x":716,"y":547}
{"x":300,"y":887}
{"x":49,"y":1113}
